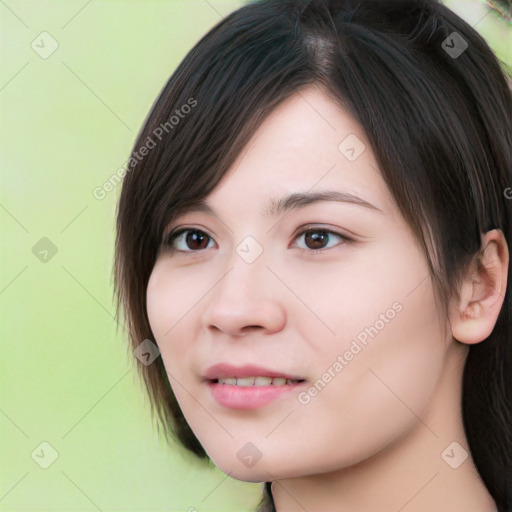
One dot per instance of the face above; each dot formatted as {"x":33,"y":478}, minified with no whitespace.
{"x":333,"y":293}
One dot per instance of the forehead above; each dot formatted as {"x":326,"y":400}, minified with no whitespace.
{"x":307,"y":144}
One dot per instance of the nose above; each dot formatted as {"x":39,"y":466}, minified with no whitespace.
{"x":245,"y":300}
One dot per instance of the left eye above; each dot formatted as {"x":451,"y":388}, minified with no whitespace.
{"x":316,"y":239}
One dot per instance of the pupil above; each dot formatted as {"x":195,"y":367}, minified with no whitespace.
{"x":317,"y":238}
{"x":195,"y":237}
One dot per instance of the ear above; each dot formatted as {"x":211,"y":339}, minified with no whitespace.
{"x":482,"y":292}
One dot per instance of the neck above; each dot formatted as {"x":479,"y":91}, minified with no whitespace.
{"x":415,"y":474}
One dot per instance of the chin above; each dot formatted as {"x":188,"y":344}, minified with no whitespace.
{"x":262,"y":471}
{"x":252,"y":475}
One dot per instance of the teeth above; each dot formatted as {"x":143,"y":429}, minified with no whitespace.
{"x":256,"y":381}
{"x":262,"y":381}
{"x":245,"y":381}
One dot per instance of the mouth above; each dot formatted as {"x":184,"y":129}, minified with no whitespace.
{"x":248,"y":375}
{"x":248,"y":387}
{"x":259,"y":381}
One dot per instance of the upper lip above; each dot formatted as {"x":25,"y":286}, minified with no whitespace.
{"x":224,"y":370}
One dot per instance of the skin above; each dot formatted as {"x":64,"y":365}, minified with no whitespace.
{"x":372,"y":438}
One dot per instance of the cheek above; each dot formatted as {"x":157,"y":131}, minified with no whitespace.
{"x":390,"y":336}
{"x":169,"y":308}
{"x":168,"y":302}
{"x":386,"y":385}
{"x":158,"y":298}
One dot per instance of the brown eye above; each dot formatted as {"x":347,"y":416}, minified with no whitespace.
{"x":188,"y":240}
{"x":318,"y":240}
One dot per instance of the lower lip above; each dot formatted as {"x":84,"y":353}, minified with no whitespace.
{"x":249,"y":397}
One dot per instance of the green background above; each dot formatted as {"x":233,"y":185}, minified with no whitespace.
{"x":67,"y":124}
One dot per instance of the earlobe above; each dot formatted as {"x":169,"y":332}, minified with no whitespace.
{"x":482,"y":291}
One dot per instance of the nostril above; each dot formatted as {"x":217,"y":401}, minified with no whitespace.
{"x":250,"y":328}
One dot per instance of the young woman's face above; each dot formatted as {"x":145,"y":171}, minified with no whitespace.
{"x":355,"y":321}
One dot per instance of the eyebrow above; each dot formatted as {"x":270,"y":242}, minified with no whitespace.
{"x":301,"y":199}
{"x":296,"y":200}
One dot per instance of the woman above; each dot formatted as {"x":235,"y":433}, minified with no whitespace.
{"x":316,"y":232}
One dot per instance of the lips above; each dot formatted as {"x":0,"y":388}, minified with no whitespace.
{"x":249,"y":387}
{"x":227,"y":371}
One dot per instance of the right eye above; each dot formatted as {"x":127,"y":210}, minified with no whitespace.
{"x":187,"y":240}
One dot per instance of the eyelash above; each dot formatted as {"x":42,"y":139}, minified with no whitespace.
{"x":172,"y":236}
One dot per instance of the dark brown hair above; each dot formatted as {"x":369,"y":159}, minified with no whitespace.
{"x":437,"y":116}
